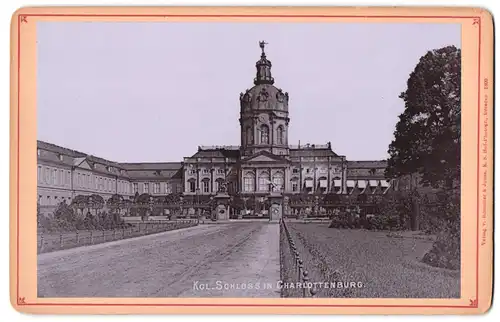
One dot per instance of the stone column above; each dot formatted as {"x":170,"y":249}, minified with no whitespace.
{"x":255,"y":131}
{"x":314,"y":178}
{"x":272,"y":133}
{"x":256,"y":180}
{"x":198,"y":177}
{"x":328,"y":184}
{"x":301,"y":184}
{"x":212,"y":180}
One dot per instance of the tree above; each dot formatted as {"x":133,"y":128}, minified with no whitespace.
{"x":427,"y":136}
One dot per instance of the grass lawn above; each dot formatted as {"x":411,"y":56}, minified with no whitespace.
{"x":386,"y":267}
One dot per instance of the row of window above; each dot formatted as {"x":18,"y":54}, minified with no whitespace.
{"x":53,"y":176}
{"x":167,"y":188}
{"x":309,"y":170}
{"x":264,"y":135}
{"x":205,"y":186}
{"x":60,"y":177}
{"x":206,"y":171}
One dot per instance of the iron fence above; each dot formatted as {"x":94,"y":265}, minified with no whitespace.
{"x":294,"y":275}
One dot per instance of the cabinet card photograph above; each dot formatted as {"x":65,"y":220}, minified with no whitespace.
{"x":251,"y":160}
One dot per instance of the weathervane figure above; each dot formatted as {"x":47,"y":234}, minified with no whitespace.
{"x":262,"y":45}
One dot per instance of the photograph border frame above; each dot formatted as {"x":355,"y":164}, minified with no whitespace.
{"x":482,"y":20}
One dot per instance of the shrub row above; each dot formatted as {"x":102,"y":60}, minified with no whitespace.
{"x":379,"y":222}
{"x":65,"y":218}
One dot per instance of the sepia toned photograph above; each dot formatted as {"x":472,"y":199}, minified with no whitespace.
{"x":251,"y":160}
{"x":175,"y":160}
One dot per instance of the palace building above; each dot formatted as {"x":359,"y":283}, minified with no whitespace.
{"x":264,"y":161}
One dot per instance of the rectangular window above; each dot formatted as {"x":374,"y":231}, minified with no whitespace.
{"x":156,"y":188}
{"x":192,"y":171}
{"x":192,"y":186}
{"x":54,"y":176}
{"x":295,"y":186}
{"x":47,"y":175}
{"x":216,"y":186}
{"x":221,"y":171}
{"x":206,"y":186}
{"x":206,"y":171}
{"x":295,"y":170}
{"x":248,"y":184}
{"x":68,"y":177}
{"x":263,"y":184}
{"x":135,"y":187}
{"x":146,"y":187}
{"x":168,"y":188}
{"x":40,"y":200}
{"x":39,"y":174}
{"x":61,"y":177}
{"x":179,"y":188}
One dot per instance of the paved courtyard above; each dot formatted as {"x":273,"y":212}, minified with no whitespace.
{"x":224,"y":260}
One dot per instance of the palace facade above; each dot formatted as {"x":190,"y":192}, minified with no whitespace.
{"x":263,"y":162}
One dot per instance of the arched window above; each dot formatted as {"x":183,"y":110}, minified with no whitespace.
{"x":191,"y":185}
{"x":264,"y":134}
{"x":279,"y":135}
{"x":206,"y":185}
{"x":278,"y":181}
{"x":249,"y":182}
{"x":249,"y":135}
{"x":264,"y":181}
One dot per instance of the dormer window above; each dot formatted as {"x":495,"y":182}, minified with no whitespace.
{"x":308,"y":170}
{"x":38,"y":152}
{"x":220,"y":171}
{"x":206,"y":171}
{"x":295,"y":170}
{"x":60,"y":157}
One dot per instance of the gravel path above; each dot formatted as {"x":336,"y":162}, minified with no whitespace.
{"x":226,"y":260}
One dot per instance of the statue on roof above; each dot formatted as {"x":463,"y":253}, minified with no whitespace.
{"x":262,"y":44}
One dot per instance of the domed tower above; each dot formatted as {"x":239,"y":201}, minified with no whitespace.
{"x":264,"y":113}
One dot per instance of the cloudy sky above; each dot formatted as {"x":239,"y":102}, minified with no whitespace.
{"x":132,"y":92}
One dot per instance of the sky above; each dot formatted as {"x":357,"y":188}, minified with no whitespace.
{"x":154,"y":92}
